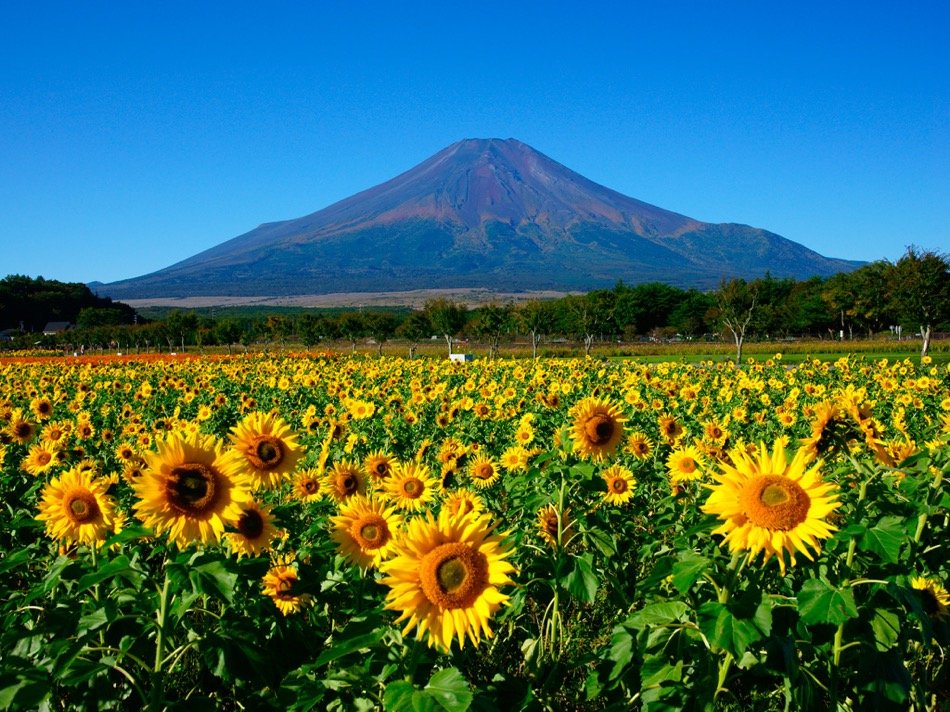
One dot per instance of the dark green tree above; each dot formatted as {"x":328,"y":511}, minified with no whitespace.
{"x":920,"y":289}
{"x":447,"y":318}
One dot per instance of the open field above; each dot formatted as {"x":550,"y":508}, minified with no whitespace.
{"x":325,"y":532}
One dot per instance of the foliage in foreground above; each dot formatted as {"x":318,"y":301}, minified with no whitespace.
{"x":618,"y":601}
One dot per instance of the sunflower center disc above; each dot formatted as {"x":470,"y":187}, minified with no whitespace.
{"x":619,"y":485}
{"x":350,"y":484}
{"x":310,"y":486}
{"x":267,"y":452}
{"x":192,"y":488}
{"x":599,"y":429}
{"x":775,"y":502}
{"x":44,"y":458}
{"x":371,"y":532}
{"x":687,"y":464}
{"x":454,"y":575}
{"x":484,"y":472}
{"x":82,"y":508}
{"x":412,"y":488}
{"x":251,"y":524}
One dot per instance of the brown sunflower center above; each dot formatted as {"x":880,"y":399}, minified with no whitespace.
{"x":618,"y":485}
{"x":381,"y":469}
{"x":412,"y":488}
{"x":43,"y":458}
{"x":251,"y":524}
{"x":775,"y":502}
{"x":599,"y":428}
{"x":349,"y":483}
{"x":266,"y":452}
{"x":370,"y":531}
{"x":311,"y":486}
{"x":687,"y":465}
{"x":82,"y":507}
{"x":484,"y":471}
{"x":192,"y":488}
{"x":23,"y":430}
{"x":285,"y":588}
{"x":453,"y":575}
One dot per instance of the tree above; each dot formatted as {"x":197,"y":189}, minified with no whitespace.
{"x":489,"y":323}
{"x":413,"y":329}
{"x":381,"y":326}
{"x":587,"y":315}
{"x":228,"y":332}
{"x":920,"y":285}
{"x":352,"y":326}
{"x":736,"y":303}
{"x":689,"y":315}
{"x":536,"y":318}
{"x":447,"y":318}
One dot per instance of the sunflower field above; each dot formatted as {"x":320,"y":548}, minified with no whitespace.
{"x":303,"y":532}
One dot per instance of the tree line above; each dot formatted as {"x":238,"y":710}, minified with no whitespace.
{"x":911,"y":296}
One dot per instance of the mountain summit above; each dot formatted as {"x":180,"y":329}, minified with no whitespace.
{"x":489,"y":213}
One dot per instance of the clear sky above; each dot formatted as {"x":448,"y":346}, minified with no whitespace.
{"x":136,"y":134}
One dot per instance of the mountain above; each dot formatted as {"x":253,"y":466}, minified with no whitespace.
{"x":486,"y":213}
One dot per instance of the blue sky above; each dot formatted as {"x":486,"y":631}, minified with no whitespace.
{"x":136,"y":134}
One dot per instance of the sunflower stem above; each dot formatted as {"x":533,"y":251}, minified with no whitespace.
{"x":921,"y":525}
{"x":161,"y":617}
{"x":724,"y":666}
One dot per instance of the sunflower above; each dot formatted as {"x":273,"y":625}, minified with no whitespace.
{"x":42,"y":407}
{"x":255,"y":531}
{"x":125,"y":452}
{"x":133,"y":470}
{"x":41,"y":458}
{"x":76,"y":508}
{"x":379,"y":465}
{"x":346,"y":479}
{"x":463,"y":501}
{"x":620,"y":484}
{"x":192,"y":488}
{"x":19,"y":428}
{"x":685,"y":464}
{"x":639,"y":445}
{"x":515,"y":459}
{"x":769,"y":505}
{"x":411,"y":487}
{"x":483,"y":471}
{"x":828,"y":426}
{"x":597,"y":428}
{"x":281,"y":583}
{"x":269,"y":447}
{"x":445,"y":576}
{"x":670,"y":429}
{"x":307,"y":486}
{"x":555,"y":527}
{"x":365,"y":531}
{"x":934,"y":597}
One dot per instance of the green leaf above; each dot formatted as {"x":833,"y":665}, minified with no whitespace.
{"x":723,"y":627}
{"x":398,"y":696}
{"x":657,"y":614}
{"x":450,"y":689}
{"x":95,"y":619}
{"x":887,"y":629}
{"x":214,"y":578}
{"x":350,"y":644}
{"x":688,"y":569}
{"x":119,"y":566}
{"x":582,"y":582}
{"x":621,"y":651}
{"x":820,"y":602}
{"x":15,"y":559}
{"x":884,"y":539}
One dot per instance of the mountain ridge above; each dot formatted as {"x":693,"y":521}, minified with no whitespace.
{"x":480,"y":213}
